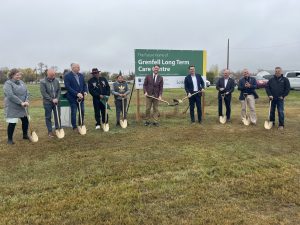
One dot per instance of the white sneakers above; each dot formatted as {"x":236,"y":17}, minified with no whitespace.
{"x":98,"y":127}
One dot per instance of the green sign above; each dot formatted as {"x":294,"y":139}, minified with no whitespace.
{"x":173,"y":65}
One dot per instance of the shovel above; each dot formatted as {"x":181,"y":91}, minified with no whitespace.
{"x":269,"y":124}
{"x":246,"y":119}
{"x":181,"y":100}
{"x":123,"y":121}
{"x":81,"y":127}
{"x":32,"y":134}
{"x":161,"y":100}
{"x":222,"y":119}
{"x":105,"y":126}
{"x":60,"y":133}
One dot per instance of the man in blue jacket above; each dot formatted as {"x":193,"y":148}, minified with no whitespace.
{"x":77,"y":89}
{"x":194,"y":83}
{"x":247,"y":86}
{"x":278,"y":87}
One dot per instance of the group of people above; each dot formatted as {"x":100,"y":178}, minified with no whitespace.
{"x":17,"y":97}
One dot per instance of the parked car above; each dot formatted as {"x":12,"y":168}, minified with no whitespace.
{"x":294,"y":78}
{"x":261,"y":81}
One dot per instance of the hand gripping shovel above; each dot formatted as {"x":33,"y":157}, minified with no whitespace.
{"x":60,"y":133}
{"x":269,"y":124}
{"x":32,"y":134}
{"x":246,"y":119}
{"x":181,"y":100}
{"x":123,"y":121}
{"x":81,"y":127}
{"x":105,"y":126}
{"x":222,"y":119}
{"x":161,"y":100}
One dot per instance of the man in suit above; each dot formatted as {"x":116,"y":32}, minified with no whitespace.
{"x":77,"y":89}
{"x":153,"y":86}
{"x":225,"y":86}
{"x":247,"y":86}
{"x":193,"y":83}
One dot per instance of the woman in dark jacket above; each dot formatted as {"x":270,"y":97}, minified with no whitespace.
{"x":16,"y":100}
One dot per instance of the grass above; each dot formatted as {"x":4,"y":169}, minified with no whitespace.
{"x":173,"y":174}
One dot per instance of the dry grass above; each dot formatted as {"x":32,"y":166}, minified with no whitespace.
{"x":173,"y":174}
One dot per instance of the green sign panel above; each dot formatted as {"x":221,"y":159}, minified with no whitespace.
{"x":173,"y":65}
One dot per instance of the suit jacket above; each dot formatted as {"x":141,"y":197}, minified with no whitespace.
{"x":229,"y":87}
{"x":189,"y":85}
{"x":153,"y":88}
{"x":245,"y":90}
{"x":73,"y":87}
{"x":98,"y":87}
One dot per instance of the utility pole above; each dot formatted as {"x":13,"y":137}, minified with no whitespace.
{"x":228,"y":54}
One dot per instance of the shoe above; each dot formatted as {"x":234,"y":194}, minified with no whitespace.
{"x":118,"y":124}
{"x":10,"y":142}
{"x":192,"y":122}
{"x":156,"y":124}
{"x":146,"y":123}
{"x":25,"y":137}
{"x":200,"y":122}
{"x":280,"y":128}
{"x":228,"y":120}
{"x":50,"y":135}
{"x":98,"y":127}
{"x":75,"y":130}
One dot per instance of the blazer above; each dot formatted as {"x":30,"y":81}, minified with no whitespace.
{"x":73,"y":87}
{"x":189,"y":85}
{"x":229,"y":87}
{"x":153,"y":88}
{"x":245,"y":90}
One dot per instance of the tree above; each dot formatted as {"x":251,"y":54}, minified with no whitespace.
{"x":3,"y":74}
{"x":29,"y":75}
{"x":42,"y":68}
{"x":212,"y":73}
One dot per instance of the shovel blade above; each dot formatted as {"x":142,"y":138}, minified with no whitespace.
{"x":123,"y":123}
{"x":246,"y":121}
{"x":105,"y":127}
{"x":222,"y":119}
{"x":60,"y":133}
{"x":268,"y":125}
{"x":82,"y":130}
{"x":33,"y":137}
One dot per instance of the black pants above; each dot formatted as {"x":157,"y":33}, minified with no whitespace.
{"x":195,"y":99}
{"x":99,"y":108}
{"x":11,"y":128}
{"x":227,"y":100}
{"x":119,"y":109}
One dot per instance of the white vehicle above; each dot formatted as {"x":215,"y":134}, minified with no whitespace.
{"x":294,"y":78}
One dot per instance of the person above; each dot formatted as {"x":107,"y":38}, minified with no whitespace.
{"x":50,"y":90}
{"x":247,"y":86}
{"x":153,"y":86}
{"x":16,"y":99}
{"x":225,"y":86}
{"x":100,"y":90}
{"x":278,"y":87}
{"x":76,"y":91}
{"x":120,"y":91}
{"x":194,"y":83}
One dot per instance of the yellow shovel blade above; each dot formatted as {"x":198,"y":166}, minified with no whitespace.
{"x":82,"y":130}
{"x":123,"y":123}
{"x":33,"y":137}
{"x":60,"y":133}
{"x":268,"y":125}
{"x":222,"y":119}
{"x":105,"y":127}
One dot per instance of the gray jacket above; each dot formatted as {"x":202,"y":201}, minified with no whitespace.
{"x":15,"y":92}
{"x":120,"y":88}
{"x":50,"y":89}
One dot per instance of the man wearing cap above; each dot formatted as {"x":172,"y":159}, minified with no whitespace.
{"x":120,"y":91}
{"x":77,"y":89}
{"x":153,"y":86}
{"x":100,"y":90}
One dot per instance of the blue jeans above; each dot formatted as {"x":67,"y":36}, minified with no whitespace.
{"x":48,"y":114}
{"x":74,"y":107}
{"x":280,"y":107}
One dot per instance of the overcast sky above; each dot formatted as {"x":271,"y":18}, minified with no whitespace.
{"x":104,"y":33}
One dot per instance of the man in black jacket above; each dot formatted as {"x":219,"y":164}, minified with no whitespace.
{"x":100,"y":90}
{"x":225,"y":86}
{"x":194,"y":83}
{"x":277,"y":89}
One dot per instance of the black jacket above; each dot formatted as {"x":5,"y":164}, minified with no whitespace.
{"x":189,"y":86}
{"x":98,"y":87}
{"x":278,"y":87}
{"x":229,"y":87}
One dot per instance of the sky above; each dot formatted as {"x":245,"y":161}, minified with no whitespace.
{"x":104,"y":33}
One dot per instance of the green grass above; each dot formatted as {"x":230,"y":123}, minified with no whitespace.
{"x":173,"y":174}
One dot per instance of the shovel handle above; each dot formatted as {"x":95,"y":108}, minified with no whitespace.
{"x":158,"y":99}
